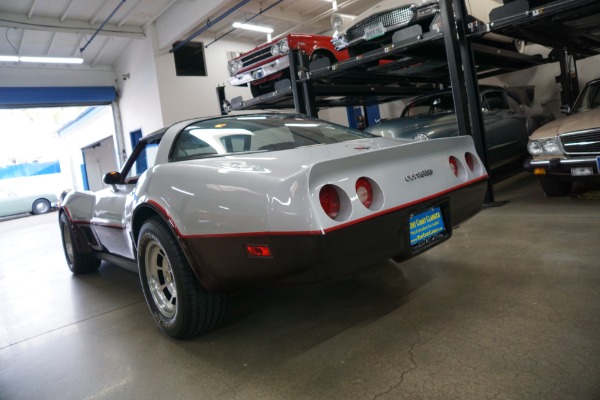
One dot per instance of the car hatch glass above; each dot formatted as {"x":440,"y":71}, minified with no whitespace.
{"x":234,"y":135}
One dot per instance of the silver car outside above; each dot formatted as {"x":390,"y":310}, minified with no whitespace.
{"x":12,"y":203}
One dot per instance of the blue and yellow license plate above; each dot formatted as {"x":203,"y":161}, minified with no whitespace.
{"x":426,"y":227}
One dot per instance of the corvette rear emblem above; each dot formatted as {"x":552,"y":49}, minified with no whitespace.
{"x":417,"y":175}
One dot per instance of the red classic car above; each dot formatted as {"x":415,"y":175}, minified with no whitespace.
{"x":263,"y":66}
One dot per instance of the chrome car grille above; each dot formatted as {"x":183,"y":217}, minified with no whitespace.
{"x":256,"y":57}
{"x":401,"y":16}
{"x":582,"y":142}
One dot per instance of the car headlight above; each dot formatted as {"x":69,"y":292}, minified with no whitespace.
{"x":535,"y":148}
{"x":284,"y":47}
{"x":550,"y":146}
{"x":234,"y":66}
{"x":275,"y":50}
{"x":337,"y":22}
{"x":421,"y":137}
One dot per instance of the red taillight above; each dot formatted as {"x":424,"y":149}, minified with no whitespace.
{"x":330,"y":201}
{"x":470,"y":161}
{"x":454,"y":165}
{"x":258,"y":250}
{"x":364,"y":192}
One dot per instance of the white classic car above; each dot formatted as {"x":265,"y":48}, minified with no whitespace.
{"x":209,"y":206}
{"x":376,"y":26}
{"x":568,"y":149}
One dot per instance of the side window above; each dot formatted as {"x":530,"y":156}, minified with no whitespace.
{"x":494,"y":101}
{"x":143,"y":161}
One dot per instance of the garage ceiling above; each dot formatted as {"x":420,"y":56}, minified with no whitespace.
{"x":61,"y":28}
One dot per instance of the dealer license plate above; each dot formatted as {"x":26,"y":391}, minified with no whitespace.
{"x":426,"y":227}
{"x":374,"y":31}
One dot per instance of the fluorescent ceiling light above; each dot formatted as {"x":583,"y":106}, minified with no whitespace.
{"x":52,"y":60}
{"x":250,"y":27}
{"x":9,"y":58}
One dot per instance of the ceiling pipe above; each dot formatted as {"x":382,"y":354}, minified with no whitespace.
{"x":208,"y":25}
{"x":249,"y":19}
{"x":102,"y":25}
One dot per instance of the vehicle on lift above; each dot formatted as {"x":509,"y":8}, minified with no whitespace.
{"x":377,"y":26}
{"x":507,"y":122}
{"x":269,"y":63}
{"x":568,"y":149}
{"x":12,"y":203}
{"x":209,"y":206}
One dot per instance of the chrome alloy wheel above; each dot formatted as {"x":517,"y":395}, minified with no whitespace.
{"x":68,"y":243}
{"x":161,"y":281}
{"x":41,"y":207}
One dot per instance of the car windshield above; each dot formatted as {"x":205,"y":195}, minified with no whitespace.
{"x":441,"y":103}
{"x":589,"y":98}
{"x":256,"y":133}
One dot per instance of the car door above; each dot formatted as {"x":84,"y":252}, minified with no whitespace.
{"x":11,"y":204}
{"x":506,"y":133}
{"x":108,"y":216}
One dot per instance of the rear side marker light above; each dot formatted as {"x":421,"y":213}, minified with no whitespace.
{"x":258,"y":251}
{"x":330,"y":201}
{"x":364,"y":191}
{"x":453,"y":165}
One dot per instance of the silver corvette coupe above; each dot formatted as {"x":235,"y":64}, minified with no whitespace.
{"x":209,"y":206}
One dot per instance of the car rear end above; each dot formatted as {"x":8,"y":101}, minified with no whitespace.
{"x":350,"y":205}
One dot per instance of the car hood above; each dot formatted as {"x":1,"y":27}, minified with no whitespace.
{"x":408,"y":127}
{"x":575,"y":122}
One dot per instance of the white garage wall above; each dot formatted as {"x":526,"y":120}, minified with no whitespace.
{"x":137,"y":87}
{"x":152,"y":96}
{"x":196,"y":96}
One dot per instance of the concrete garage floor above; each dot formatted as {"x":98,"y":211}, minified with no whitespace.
{"x":509,"y":308}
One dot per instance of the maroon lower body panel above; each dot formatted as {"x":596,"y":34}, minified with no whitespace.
{"x":222,"y":263}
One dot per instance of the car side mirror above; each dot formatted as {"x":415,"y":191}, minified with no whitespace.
{"x":565,"y":110}
{"x":112,"y":178}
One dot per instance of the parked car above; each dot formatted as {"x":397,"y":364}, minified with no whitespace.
{"x":12,"y":203}
{"x":209,"y":206}
{"x":568,"y":149}
{"x":263,"y":66}
{"x":376,"y":26}
{"x":507,"y":122}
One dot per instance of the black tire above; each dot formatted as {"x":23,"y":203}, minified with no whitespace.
{"x":179,"y":304}
{"x":41,"y":206}
{"x":553,"y":187}
{"x":78,"y":263}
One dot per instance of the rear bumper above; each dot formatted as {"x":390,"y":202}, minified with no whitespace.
{"x":221,"y":263}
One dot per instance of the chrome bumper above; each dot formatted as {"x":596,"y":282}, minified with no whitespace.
{"x":260,"y":72}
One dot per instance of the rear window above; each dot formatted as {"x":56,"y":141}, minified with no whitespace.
{"x":256,"y":133}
